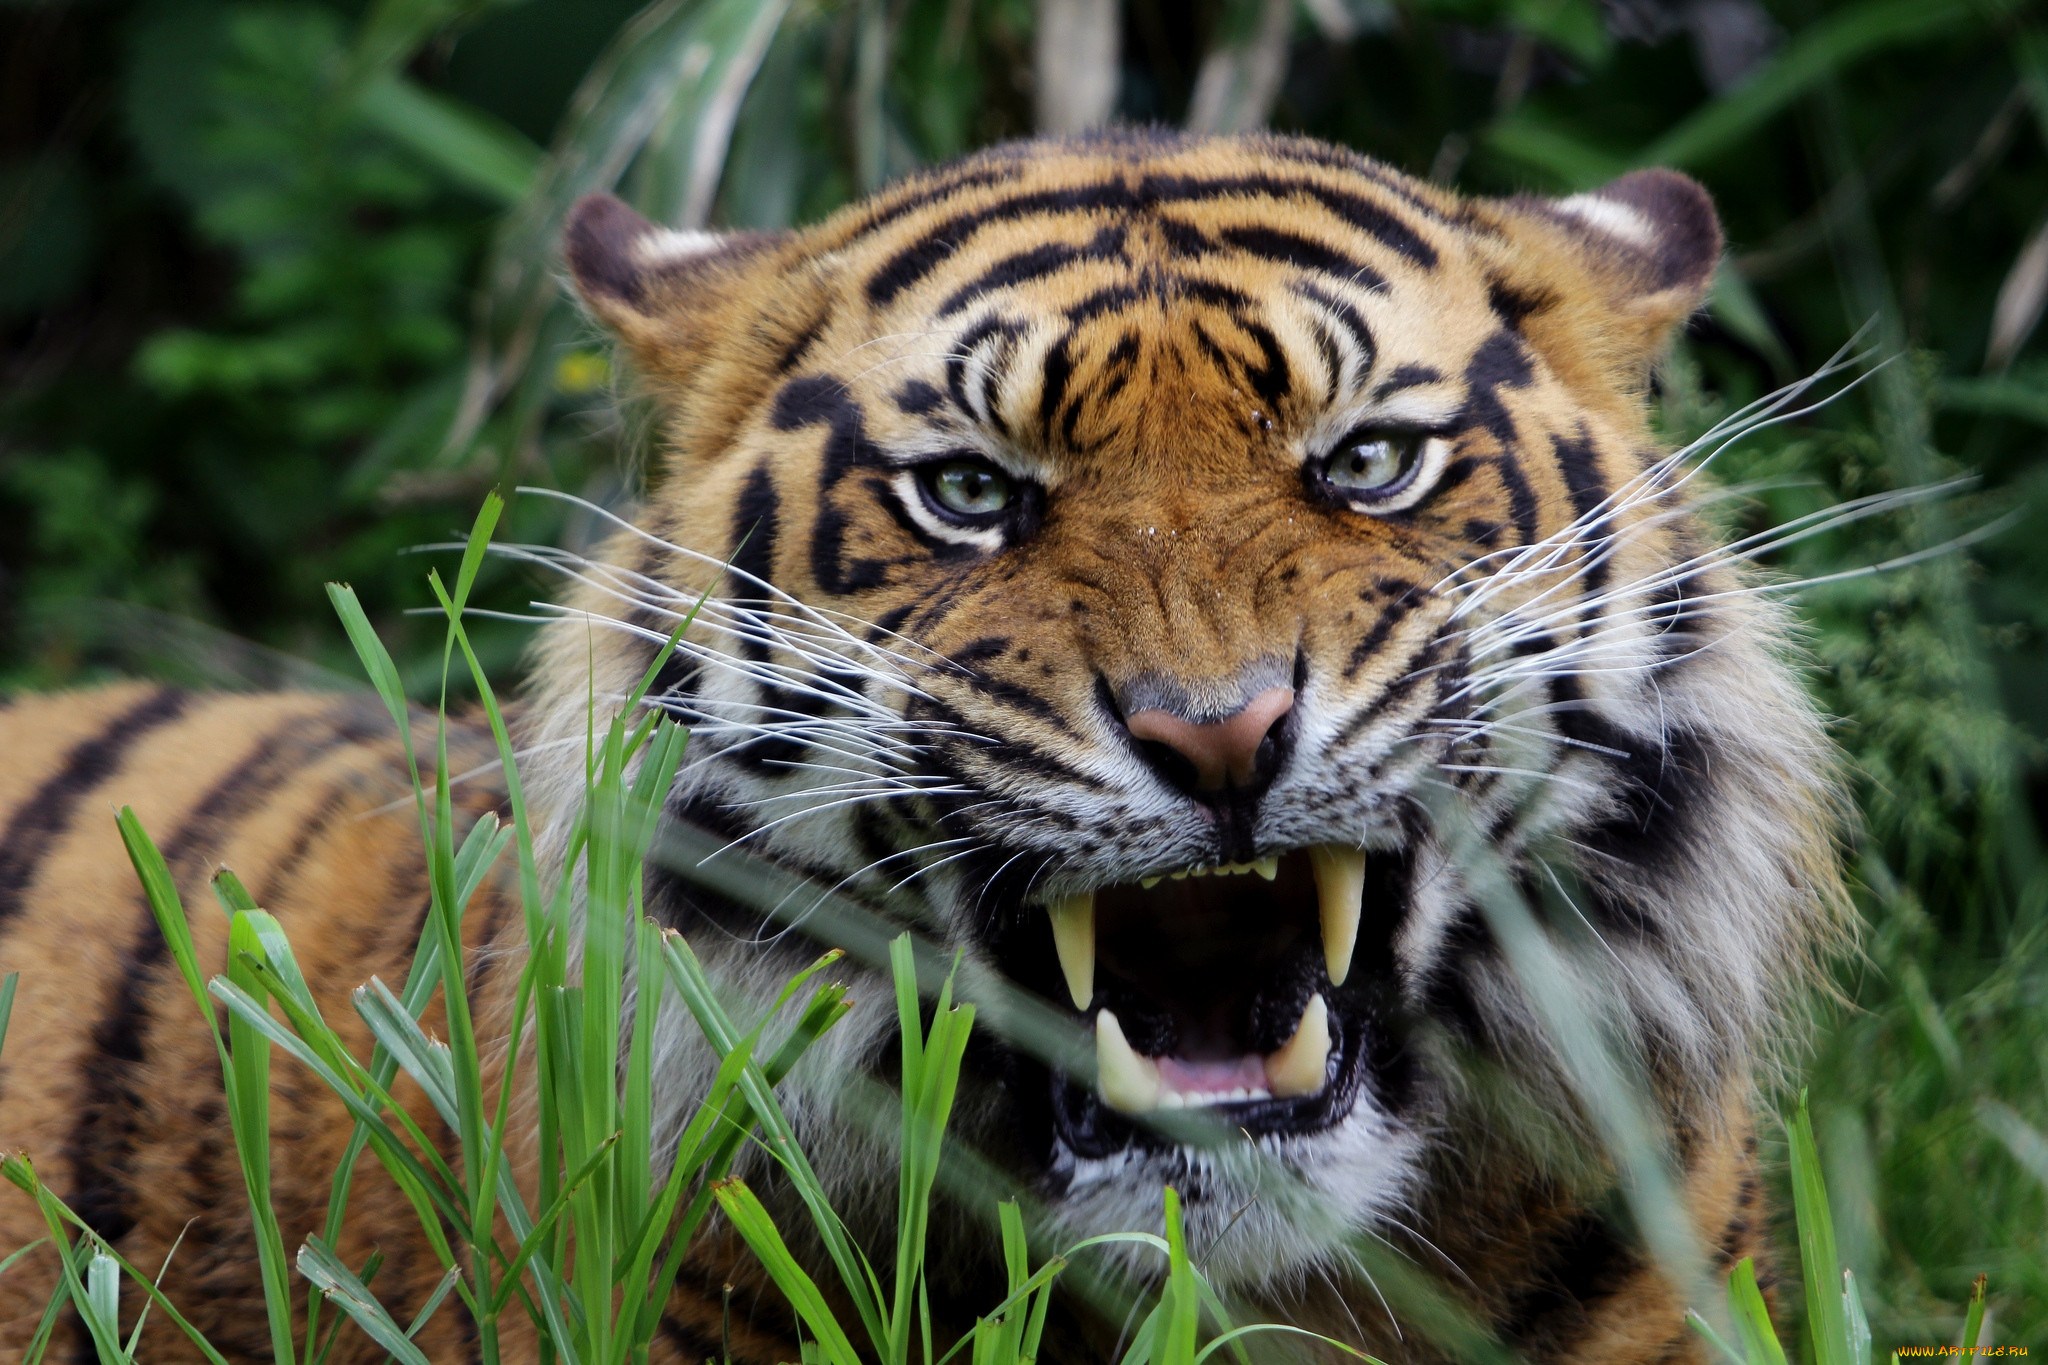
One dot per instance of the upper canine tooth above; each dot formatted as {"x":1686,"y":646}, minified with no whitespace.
{"x":1268,"y":866}
{"x":1073,"y":937}
{"x":1340,"y":889}
{"x":1149,"y":882}
{"x":1300,"y":1066}
{"x":1127,"y":1081}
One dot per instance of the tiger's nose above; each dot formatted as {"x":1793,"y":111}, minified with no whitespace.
{"x":1239,"y":753}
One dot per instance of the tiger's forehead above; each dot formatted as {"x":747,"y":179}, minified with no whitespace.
{"x":1106,"y":301}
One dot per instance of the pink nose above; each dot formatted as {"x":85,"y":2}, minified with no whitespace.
{"x":1223,"y":753}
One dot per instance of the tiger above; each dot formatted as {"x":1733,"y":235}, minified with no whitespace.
{"x":1224,"y":591}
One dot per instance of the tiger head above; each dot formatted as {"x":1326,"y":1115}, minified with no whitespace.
{"x":1157,"y":568}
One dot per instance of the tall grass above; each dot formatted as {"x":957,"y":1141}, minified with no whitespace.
{"x":588,"y":1251}
{"x":588,"y":1247}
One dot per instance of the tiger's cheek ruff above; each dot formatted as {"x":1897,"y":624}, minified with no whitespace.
{"x":1167,"y":343}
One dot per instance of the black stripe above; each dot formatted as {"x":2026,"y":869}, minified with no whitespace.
{"x":1396,"y":611}
{"x":1272,"y":379}
{"x":800,"y":345}
{"x":1332,"y":358}
{"x":822,"y":399}
{"x":101,"y":1141}
{"x":1374,"y":220}
{"x":1347,"y":317}
{"x":963,"y":351}
{"x":1522,"y":509}
{"x":1500,"y":362}
{"x":756,"y":520}
{"x":1578,"y":1264}
{"x":44,"y":815}
{"x":1394,"y":693}
{"x":944,"y":239}
{"x":1579,"y":462}
{"x":694,"y":1345}
{"x":917,"y":398}
{"x":1108,"y":299}
{"x":1052,"y":390}
{"x":1303,"y":253}
{"x":1405,"y":377}
{"x":1035,"y":263}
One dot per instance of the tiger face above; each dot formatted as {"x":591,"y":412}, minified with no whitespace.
{"x":1137,"y":562}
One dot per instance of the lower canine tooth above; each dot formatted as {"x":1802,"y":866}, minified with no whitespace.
{"x":1126,"y":1081}
{"x":1300,"y":1067}
{"x":1073,"y":937}
{"x":1340,"y":889}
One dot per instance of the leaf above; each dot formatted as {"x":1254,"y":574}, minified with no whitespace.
{"x":1817,"y":52}
{"x":469,"y":147}
{"x":320,"y":1265}
{"x":669,"y":86}
{"x":1827,"y":1321}
{"x":1973,"y":1321}
{"x":743,"y":1209}
{"x":2021,"y":297}
{"x":1753,"y":1316}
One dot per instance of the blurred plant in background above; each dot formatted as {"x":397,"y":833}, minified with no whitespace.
{"x":279,"y":300}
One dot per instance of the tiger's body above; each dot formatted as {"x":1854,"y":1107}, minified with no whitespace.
{"x":1096,"y":511}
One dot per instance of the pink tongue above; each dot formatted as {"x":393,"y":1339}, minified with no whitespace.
{"x":1210,"y":1078}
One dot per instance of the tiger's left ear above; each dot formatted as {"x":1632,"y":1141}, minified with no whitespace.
{"x":1646,"y":245}
{"x":656,"y":288}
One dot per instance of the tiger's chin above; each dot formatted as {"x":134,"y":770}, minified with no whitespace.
{"x":1248,"y":1052}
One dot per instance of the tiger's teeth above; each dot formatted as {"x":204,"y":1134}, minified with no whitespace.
{"x":1340,"y":890}
{"x":1128,"y":1082}
{"x":1073,"y":937}
{"x":1149,"y":882}
{"x":1268,"y":866}
{"x":1300,"y":1067}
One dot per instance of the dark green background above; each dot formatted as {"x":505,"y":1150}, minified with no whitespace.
{"x":257,"y":261}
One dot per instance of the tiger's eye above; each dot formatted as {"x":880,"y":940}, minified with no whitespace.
{"x":1371,"y":464}
{"x":969,"y":488}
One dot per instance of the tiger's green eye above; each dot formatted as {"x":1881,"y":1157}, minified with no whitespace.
{"x":969,"y":488}
{"x":1374,"y":463}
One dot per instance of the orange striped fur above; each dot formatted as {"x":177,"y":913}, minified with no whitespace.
{"x":1032,"y":473}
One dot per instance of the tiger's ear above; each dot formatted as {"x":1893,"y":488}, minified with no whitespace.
{"x":655,"y":287}
{"x":1647,"y":244}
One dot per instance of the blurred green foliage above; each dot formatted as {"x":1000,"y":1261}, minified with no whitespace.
{"x":278,"y":302}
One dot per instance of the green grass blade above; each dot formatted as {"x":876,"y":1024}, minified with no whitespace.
{"x":424,"y":1059}
{"x":1752,"y":1316}
{"x":18,"y":1171}
{"x":1858,"y":1320}
{"x":473,"y":149}
{"x":323,"y":1268}
{"x":101,"y":1307}
{"x":161,"y":890}
{"x":743,"y":1209}
{"x":449,"y":1280}
{"x":1973,"y":1320}
{"x":1827,"y":1323}
{"x":9,"y":1260}
{"x":1817,"y":53}
{"x":1705,"y":1331}
{"x":249,"y":1111}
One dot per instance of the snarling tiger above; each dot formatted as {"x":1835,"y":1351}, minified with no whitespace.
{"x":1224,"y":589}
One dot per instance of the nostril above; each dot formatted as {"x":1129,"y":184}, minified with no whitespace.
{"x":1171,"y":764}
{"x":1272,"y":747}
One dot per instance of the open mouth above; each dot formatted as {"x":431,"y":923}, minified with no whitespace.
{"x":1231,"y":989}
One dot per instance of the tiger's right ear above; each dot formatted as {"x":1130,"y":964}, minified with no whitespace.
{"x":654,"y":286}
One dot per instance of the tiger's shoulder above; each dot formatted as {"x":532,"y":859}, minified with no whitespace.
{"x":108,"y":1083}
